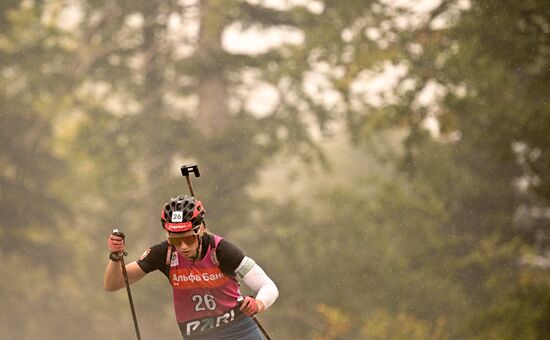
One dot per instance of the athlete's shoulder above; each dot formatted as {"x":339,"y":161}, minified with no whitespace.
{"x":153,"y":257}
{"x":160,"y":247}
{"x":229,"y":256}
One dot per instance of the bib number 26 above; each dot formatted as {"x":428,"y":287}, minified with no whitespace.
{"x":204,"y":302}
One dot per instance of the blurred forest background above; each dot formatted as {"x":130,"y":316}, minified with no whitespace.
{"x":387,"y":162}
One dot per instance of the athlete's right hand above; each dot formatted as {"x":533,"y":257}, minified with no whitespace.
{"x":115,"y":242}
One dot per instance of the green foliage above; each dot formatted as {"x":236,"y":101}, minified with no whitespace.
{"x":401,"y":235}
{"x":391,"y":254}
{"x":491,"y":61}
{"x":365,"y":238}
{"x":338,"y":323}
{"x":382,"y":325}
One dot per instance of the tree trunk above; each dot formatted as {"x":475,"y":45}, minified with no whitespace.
{"x":212,"y":85}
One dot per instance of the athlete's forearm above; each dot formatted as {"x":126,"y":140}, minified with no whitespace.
{"x":113,"y":279}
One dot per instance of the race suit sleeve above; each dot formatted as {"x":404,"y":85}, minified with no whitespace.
{"x":154,"y":258}
{"x":229,"y":257}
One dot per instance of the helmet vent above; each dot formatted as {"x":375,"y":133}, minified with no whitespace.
{"x":191,"y":210}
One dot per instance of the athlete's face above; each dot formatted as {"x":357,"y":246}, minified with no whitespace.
{"x":186,"y":246}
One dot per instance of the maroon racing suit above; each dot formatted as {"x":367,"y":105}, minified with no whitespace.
{"x":205,"y":290}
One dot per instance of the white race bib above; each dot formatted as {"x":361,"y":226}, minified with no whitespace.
{"x":177,"y":216}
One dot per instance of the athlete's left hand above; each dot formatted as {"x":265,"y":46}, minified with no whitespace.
{"x":251,"y":306}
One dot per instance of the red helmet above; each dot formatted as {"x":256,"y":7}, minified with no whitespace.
{"x":182,"y":214}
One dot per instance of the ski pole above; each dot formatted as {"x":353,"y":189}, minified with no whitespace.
{"x":125,"y":274}
{"x":240,"y":300}
{"x":261,"y":328}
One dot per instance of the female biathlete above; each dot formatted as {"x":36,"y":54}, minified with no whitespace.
{"x":203,"y":269}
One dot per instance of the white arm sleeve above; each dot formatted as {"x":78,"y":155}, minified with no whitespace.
{"x":255,"y":278}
